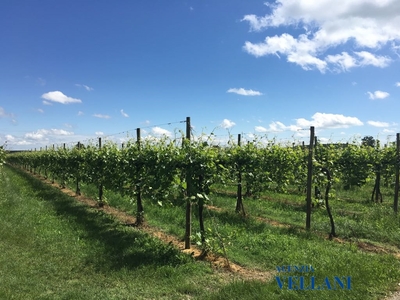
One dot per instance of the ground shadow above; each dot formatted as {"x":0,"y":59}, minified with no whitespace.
{"x":117,"y":246}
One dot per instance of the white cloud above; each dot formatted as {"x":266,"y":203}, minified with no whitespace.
{"x":43,"y":134}
{"x":243,"y":92}
{"x":378,"y":124}
{"x":360,"y":25}
{"x":101,"y":116}
{"x":227,"y":124}
{"x":59,"y":132}
{"x":276,"y":127}
{"x":367,"y":58}
{"x":40,"y":110}
{"x":88,"y":88}
{"x":9,"y":137}
{"x":260,"y":129}
{"x":323,"y":120}
{"x":59,"y":97}
{"x":99,"y":133}
{"x":80,"y":113}
{"x":160,"y":131}
{"x":124,"y":114}
{"x":43,"y":138}
{"x":397,"y":83}
{"x":22,"y":142}
{"x":378,"y":95}
{"x":388,"y":130}
{"x":318,"y":120}
{"x":324,"y":140}
{"x":46,"y":102}
{"x":343,"y":61}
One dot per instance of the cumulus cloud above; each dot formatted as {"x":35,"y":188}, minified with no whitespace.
{"x":388,"y":130}
{"x":367,"y":58}
{"x":227,"y":124}
{"x":378,"y":124}
{"x":160,"y":131}
{"x":59,"y":97}
{"x":324,"y":120}
{"x":43,"y":134}
{"x":243,"y":92}
{"x":398,"y":84}
{"x":318,"y":120}
{"x":88,"y":88}
{"x":276,"y":127}
{"x":59,"y":132}
{"x":46,"y":102}
{"x":260,"y":129}
{"x":39,"y":138}
{"x":364,"y":26}
{"x":378,"y":95}
{"x":101,"y":116}
{"x":342,"y":62}
{"x":9,"y":137}
{"x":124,"y":114}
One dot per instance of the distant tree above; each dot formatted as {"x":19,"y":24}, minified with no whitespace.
{"x":368,"y":141}
{"x":79,"y":146}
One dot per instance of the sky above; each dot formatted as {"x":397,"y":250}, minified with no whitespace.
{"x":76,"y":70}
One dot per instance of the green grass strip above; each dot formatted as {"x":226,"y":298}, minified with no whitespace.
{"x":55,"y":248}
{"x":248,"y":241}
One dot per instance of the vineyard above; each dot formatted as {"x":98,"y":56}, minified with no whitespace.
{"x":257,"y":204}
{"x":186,"y":170}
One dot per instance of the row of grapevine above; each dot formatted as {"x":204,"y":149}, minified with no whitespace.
{"x":353,"y":165}
{"x":183,"y":170}
{"x":2,"y":155}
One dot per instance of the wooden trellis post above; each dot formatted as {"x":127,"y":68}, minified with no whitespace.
{"x":140,"y":210}
{"x":396,"y":188}
{"x":101,"y":204}
{"x":309,"y":178}
{"x":188,"y":223}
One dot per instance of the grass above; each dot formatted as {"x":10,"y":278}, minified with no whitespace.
{"x":356,"y":217}
{"x":55,"y":248}
{"x":104,"y":255}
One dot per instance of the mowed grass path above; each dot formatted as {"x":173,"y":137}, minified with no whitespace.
{"x":52,"y":247}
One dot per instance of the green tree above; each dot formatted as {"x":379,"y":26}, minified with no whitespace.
{"x":368,"y":141}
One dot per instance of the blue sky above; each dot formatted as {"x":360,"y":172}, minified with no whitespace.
{"x":75,"y":70}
